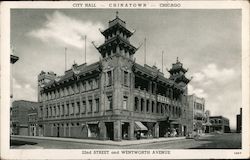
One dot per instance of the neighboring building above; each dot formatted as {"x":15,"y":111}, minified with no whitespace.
{"x":32,"y":121}
{"x":197,"y":106}
{"x":207,"y":123}
{"x":19,"y":116}
{"x":239,"y":122}
{"x":219,"y":124}
{"x":114,"y":98}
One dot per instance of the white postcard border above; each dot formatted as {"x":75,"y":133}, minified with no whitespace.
{"x":7,"y":153}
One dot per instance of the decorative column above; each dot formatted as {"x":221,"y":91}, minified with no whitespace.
{"x":156,"y":130}
{"x":103,"y":131}
{"x":131,"y":130}
{"x":117,"y":130}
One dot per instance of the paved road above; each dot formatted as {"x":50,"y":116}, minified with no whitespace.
{"x":221,"y":141}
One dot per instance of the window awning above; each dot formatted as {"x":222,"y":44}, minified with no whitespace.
{"x":140,"y":127}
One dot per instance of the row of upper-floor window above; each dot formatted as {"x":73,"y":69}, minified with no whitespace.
{"x":198,"y":106}
{"x":142,"y":105}
{"x":215,"y":121}
{"x":154,"y":88}
{"x":82,"y":86}
{"x":69,"y":108}
{"x":74,"y":88}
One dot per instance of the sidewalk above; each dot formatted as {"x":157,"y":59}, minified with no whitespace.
{"x":103,"y":142}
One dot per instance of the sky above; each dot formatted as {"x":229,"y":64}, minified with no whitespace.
{"x":207,"y":42}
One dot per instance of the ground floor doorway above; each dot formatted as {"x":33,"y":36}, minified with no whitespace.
{"x":125,"y":130}
{"x":110,"y":130}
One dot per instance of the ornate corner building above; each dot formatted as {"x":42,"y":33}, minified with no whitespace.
{"x":114,"y":98}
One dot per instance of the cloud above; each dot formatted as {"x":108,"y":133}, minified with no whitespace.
{"x":23,"y":91}
{"x":212,"y":73}
{"x":64,"y":30}
{"x":197,"y":91}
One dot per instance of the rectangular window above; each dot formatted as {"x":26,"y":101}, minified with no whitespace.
{"x":109,"y":78}
{"x":110,"y":103}
{"x":157,"y":107}
{"x":152,"y":109}
{"x":58,"y":112}
{"x":50,"y":111}
{"x":54,"y":113}
{"x":97,"y":105}
{"x":67,"y":109}
{"x":136,"y":103}
{"x":91,"y":84}
{"x":125,"y":102}
{"x":90,"y":105}
{"x":125,"y":81}
{"x":72,"y":108}
{"x":47,"y":112}
{"x":63,"y":110}
{"x":83,"y":107}
{"x":77,"y":108}
{"x":97,"y":83}
{"x":142,"y":105}
{"x":147,"y":106}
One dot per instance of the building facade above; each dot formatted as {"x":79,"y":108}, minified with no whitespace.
{"x":219,"y":124}
{"x":32,"y":121}
{"x":114,"y":98}
{"x":239,"y":122}
{"x":197,"y":105}
{"x":19,"y":116}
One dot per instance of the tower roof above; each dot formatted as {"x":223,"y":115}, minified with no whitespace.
{"x":177,"y":67}
{"x":116,"y":24}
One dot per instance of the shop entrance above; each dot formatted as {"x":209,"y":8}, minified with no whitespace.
{"x":125,"y":130}
{"x":164,"y":126}
{"x":58,"y":130}
{"x":110,"y":130}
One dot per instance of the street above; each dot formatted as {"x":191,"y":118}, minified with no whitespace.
{"x":214,"y":141}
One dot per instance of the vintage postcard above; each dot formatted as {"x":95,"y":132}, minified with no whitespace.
{"x":125,"y":80}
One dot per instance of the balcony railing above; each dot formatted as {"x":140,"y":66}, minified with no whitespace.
{"x":160,"y":98}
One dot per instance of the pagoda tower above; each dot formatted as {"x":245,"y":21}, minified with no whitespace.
{"x":117,"y":40}
{"x":177,"y":74}
{"x":117,"y":76}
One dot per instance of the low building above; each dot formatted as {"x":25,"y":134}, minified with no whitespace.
{"x":19,"y":116}
{"x":239,"y":122}
{"x":219,"y":124}
{"x":114,"y":98}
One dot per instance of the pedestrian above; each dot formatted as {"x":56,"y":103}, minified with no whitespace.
{"x":138,"y":135}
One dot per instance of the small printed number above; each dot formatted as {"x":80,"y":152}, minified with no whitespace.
{"x":237,"y":152}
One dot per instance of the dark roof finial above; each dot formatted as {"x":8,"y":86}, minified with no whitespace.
{"x":117,"y":14}
{"x":177,"y":60}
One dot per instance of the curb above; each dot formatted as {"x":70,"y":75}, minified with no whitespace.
{"x":100,"y":142}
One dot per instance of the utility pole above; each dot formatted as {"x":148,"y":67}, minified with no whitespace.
{"x":65,"y":51}
{"x":162,"y":61}
{"x":85,"y":49}
{"x":145,"y":53}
